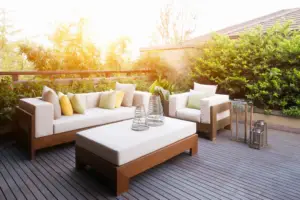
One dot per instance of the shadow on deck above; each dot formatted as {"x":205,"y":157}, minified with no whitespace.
{"x":221,"y":170}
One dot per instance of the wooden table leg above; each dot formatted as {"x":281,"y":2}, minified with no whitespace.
{"x":246,"y":122}
{"x":237,"y":125}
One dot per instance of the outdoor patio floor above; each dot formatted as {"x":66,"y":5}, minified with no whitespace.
{"x":221,"y":170}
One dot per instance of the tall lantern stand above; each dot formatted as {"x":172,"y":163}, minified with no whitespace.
{"x":259,"y":135}
{"x":240,"y":112}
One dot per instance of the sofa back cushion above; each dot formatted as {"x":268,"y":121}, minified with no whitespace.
{"x":92,"y":99}
{"x":128,"y":90}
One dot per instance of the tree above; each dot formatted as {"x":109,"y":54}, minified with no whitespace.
{"x":72,"y":50}
{"x":10,"y":56}
{"x":117,"y":54}
{"x":174,"y":26}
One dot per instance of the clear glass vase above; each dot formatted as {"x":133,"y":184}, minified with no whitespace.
{"x":140,"y":119}
{"x":155,"y":116}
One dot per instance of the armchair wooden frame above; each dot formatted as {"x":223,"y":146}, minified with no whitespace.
{"x":210,"y":130}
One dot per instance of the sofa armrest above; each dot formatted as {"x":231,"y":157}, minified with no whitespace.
{"x":207,"y":103}
{"x":141,"y":98}
{"x":177,"y":101}
{"x":42,"y":113}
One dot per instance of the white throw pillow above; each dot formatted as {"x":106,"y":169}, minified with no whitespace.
{"x":128,"y":90}
{"x":49,"y":95}
{"x":208,"y":89}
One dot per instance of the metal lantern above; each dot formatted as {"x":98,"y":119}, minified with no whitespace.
{"x":155,"y":116}
{"x":242,"y":110}
{"x":140,"y":119}
{"x":259,"y":135}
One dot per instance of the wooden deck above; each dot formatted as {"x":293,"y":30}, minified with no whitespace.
{"x":221,"y":170}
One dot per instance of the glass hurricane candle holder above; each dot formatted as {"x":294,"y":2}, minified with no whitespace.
{"x":139,"y":122}
{"x":155,"y":116}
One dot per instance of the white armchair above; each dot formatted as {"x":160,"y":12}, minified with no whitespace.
{"x":213,"y":115}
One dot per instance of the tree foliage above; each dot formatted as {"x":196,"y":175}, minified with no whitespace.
{"x":117,"y":54}
{"x":70,"y":50}
{"x":174,"y":25}
{"x":10,"y":56}
{"x":263,"y":66}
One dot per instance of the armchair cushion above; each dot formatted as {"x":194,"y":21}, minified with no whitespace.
{"x":176,"y":102}
{"x":194,"y":99}
{"x":206,"y":103}
{"x":43,"y":115}
{"x":208,"y":89}
{"x":189,"y":114}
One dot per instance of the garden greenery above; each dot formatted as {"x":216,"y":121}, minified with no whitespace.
{"x":11,"y":93}
{"x":262,"y":66}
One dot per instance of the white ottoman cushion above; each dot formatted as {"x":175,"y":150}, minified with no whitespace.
{"x":118,"y":144}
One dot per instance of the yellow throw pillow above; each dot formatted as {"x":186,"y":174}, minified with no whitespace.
{"x":119,"y":98}
{"x":77,"y":105}
{"x":108,"y":100}
{"x":66,"y":106}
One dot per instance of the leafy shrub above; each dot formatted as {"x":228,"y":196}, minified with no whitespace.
{"x":293,"y":111}
{"x":8,"y":99}
{"x":263,"y":66}
{"x":152,"y":61}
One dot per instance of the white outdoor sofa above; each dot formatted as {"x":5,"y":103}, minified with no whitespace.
{"x":37,"y":129}
{"x":214,"y":113}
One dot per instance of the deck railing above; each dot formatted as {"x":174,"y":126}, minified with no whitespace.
{"x":94,"y":74}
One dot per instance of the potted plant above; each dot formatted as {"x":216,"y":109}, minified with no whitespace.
{"x":163,"y":88}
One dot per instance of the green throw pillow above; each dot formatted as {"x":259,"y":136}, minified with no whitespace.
{"x":77,"y":105}
{"x":108,"y":100}
{"x":194,"y":99}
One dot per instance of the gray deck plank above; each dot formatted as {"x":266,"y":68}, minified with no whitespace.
{"x":11,"y":182}
{"x":77,"y":177}
{"x":2,"y":194}
{"x":38,"y":183}
{"x":221,"y":170}
{"x":33,"y":191}
{"x":5,"y":189}
{"x":42,"y":177}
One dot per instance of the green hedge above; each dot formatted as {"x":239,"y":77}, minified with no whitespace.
{"x":11,"y":93}
{"x":262,"y":66}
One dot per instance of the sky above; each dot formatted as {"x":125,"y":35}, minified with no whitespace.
{"x":109,"y":19}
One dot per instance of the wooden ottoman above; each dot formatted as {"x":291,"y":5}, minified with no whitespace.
{"x":119,"y":153}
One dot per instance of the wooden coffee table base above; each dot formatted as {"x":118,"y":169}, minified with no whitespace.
{"x":120,"y":175}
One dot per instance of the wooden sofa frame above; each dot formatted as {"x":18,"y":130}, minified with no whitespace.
{"x":25,"y":134}
{"x":119,"y":176}
{"x":210,"y":130}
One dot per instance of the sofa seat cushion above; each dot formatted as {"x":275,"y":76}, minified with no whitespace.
{"x":118,"y":144}
{"x":92,"y":117}
{"x":189,"y":114}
